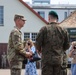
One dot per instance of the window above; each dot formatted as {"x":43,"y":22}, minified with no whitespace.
{"x":41,"y":1}
{"x":26,"y":36}
{"x":41,"y":13}
{"x":45,"y":2}
{"x":32,"y":36}
{"x":65,"y":15}
{"x":1,"y":15}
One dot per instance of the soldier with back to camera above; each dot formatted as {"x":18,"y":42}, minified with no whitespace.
{"x":51,"y":41}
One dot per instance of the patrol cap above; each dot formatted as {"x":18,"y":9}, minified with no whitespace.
{"x":54,"y":14}
{"x":19,"y":17}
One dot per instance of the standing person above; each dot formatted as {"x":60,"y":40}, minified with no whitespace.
{"x":72,"y":54}
{"x":64,"y":63}
{"x":51,"y":41}
{"x":16,"y":52}
{"x":4,"y":58}
{"x":30,"y":67}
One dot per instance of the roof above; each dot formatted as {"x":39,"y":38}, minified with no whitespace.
{"x":70,"y":21}
{"x":26,"y":5}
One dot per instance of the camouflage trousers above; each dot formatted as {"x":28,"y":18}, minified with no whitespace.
{"x":64,"y":71}
{"x":15,"y":71}
{"x":51,"y":69}
{"x":16,"y":67}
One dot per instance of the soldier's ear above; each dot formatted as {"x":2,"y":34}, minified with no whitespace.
{"x":48,"y":18}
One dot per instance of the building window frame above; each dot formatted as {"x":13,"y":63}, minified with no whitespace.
{"x":42,"y":14}
{"x":65,"y":15}
{"x":1,"y":15}
{"x":31,"y":35}
{"x":41,"y":1}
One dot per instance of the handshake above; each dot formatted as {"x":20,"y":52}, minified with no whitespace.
{"x":29,"y":54}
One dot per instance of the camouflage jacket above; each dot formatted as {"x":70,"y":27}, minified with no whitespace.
{"x":52,"y":40}
{"x":15,"y":49}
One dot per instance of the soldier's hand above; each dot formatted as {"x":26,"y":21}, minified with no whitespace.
{"x":28,"y":54}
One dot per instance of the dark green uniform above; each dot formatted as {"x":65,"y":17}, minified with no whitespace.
{"x":64,"y":64}
{"x":15,"y":51}
{"x":51,"y":41}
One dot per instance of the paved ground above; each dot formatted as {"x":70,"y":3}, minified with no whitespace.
{"x":7,"y":72}
{"x":68,"y":72}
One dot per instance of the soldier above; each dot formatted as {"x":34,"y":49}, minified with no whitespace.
{"x":16,"y":52}
{"x":51,"y":41}
{"x":4,"y":58}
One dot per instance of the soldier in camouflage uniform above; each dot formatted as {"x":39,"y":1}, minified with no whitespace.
{"x":51,"y":41}
{"x":64,"y":64}
{"x":16,"y":52}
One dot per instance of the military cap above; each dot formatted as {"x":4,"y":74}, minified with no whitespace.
{"x":53,"y":13}
{"x":19,"y":17}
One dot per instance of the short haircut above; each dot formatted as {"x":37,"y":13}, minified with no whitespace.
{"x":54,"y":14}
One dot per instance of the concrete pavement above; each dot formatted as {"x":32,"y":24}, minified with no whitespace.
{"x":69,"y":72}
{"x":7,"y":72}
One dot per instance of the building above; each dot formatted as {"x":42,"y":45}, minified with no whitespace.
{"x":36,"y":16}
{"x":7,"y":11}
{"x":42,"y":7}
{"x":70,"y":24}
{"x":7,"y":14}
{"x":63,"y":10}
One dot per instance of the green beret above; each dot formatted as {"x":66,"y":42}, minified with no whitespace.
{"x":53,"y":13}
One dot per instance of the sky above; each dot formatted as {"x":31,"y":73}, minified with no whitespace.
{"x":59,"y":1}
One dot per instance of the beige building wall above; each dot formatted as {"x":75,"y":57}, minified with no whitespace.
{"x":12,"y":7}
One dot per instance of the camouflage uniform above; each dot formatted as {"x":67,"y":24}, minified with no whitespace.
{"x":51,"y":41}
{"x":15,"y":51}
{"x":64,"y":64}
